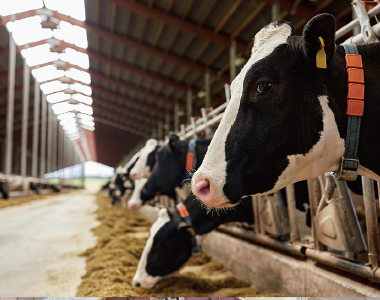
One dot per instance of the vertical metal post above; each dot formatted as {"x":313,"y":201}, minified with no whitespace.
{"x":207,"y":89}
{"x":159,"y":130}
{"x":176,"y":117}
{"x":291,"y":199}
{"x":54,"y":143}
{"x":49,"y":138}
{"x":36,"y":119}
{"x":227,"y":92}
{"x":61,"y":148}
{"x":371,"y":221}
{"x":275,"y":10}
{"x":11,"y":100}
{"x":189,"y":105}
{"x":82,"y":174}
{"x":167,"y":123}
{"x":355,"y":30}
{"x":232,"y":60}
{"x":315,"y":195}
{"x":25,"y":117}
{"x":43,"y":136}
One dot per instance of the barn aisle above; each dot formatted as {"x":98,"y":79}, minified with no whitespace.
{"x":40,"y":243}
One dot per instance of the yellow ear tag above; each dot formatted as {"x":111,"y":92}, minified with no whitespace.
{"x":321,"y":55}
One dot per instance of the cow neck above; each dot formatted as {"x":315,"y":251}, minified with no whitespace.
{"x":348,"y":168}
{"x":204,"y":221}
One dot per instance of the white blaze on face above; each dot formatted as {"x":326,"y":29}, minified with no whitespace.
{"x":214,"y":164}
{"x":135,"y":202}
{"x":131,"y":161}
{"x":142,"y":277}
{"x":140,"y":168}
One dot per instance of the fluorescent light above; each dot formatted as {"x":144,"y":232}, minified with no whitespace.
{"x":82,"y":98}
{"x":84,"y":89}
{"x":47,"y":73}
{"x":65,"y":116}
{"x":86,"y":117}
{"x":53,"y":86}
{"x":84,"y":109}
{"x":8,"y":7}
{"x":57,"y":97}
{"x":78,"y":75}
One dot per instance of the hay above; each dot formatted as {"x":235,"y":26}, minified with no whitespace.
{"x":112,"y":263}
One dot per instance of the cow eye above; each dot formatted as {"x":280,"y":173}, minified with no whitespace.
{"x":264,"y":87}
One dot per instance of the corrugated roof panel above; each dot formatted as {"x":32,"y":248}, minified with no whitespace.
{"x":121,"y":20}
{"x":198,"y":10}
{"x":218,"y":13}
{"x":208,"y":53}
{"x":150,"y":31}
{"x":180,"y":41}
{"x":106,"y":14}
{"x":194,"y":47}
{"x":136,"y":25}
{"x":92,"y":11}
{"x":166,"y":36}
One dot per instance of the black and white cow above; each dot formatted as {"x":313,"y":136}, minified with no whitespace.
{"x":169,"y":170}
{"x":286,"y":120}
{"x":169,"y":245}
{"x":141,"y":168}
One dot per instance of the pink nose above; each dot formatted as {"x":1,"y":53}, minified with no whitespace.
{"x":202,"y":191}
{"x":133,"y":206}
{"x":135,"y":176}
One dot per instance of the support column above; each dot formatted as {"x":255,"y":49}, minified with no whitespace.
{"x":232,"y":60}
{"x":159,"y":130}
{"x":49,"y":139}
{"x":54,"y":144}
{"x":189,"y":106}
{"x":43,"y":135}
{"x":11,"y":100}
{"x":275,"y":10}
{"x":176,"y":117}
{"x":207,"y":89}
{"x":36,"y":119}
{"x":167,"y":123}
{"x":25,"y":117}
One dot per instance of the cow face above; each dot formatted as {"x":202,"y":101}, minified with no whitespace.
{"x":141,"y":169}
{"x":166,"y":251}
{"x":169,"y":167}
{"x":279,"y":127}
{"x":135,"y":202}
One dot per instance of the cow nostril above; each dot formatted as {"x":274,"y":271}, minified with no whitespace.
{"x":136,"y":283}
{"x":133,"y":206}
{"x":202,"y":190}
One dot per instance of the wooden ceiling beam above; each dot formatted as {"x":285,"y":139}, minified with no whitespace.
{"x":177,"y":22}
{"x":125,"y":127}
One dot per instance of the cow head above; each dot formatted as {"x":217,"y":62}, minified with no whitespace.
{"x":279,"y":126}
{"x":169,"y":167}
{"x":166,"y":251}
{"x":135,"y":202}
{"x":141,"y":169}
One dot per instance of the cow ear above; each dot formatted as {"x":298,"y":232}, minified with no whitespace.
{"x":173,"y":139}
{"x":182,"y":226}
{"x":323,"y":26}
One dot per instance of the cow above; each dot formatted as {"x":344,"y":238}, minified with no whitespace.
{"x":141,"y":169}
{"x":169,"y":245}
{"x":286,"y":120}
{"x":4,"y":190}
{"x":169,"y":171}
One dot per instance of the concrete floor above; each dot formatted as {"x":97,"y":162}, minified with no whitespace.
{"x":40,"y":243}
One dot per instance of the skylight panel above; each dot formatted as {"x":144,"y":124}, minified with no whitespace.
{"x":57,"y":97}
{"x":84,"y":89}
{"x":75,"y":57}
{"x":66,"y":116}
{"x":62,"y":107}
{"x":81,"y":98}
{"x":71,"y":34}
{"x":86,"y":117}
{"x":88,"y":123}
{"x":9,"y":7}
{"x":72,"y":8}
{"x":78,"y":75}
{"x":53,"y":86}
{"x":84,"y":109}
{"x":39,"y":55}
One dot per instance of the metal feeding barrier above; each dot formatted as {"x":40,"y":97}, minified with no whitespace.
{"x":335,"y":238}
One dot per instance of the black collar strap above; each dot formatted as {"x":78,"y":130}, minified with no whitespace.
{"x":184,"y":213}
{"x":348,"y":168}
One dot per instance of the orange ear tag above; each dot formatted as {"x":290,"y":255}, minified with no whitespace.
{"x":189,"y":161}
{"x":321,"y":55}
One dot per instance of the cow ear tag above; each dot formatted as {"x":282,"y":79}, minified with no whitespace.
{"x":321,"y":55}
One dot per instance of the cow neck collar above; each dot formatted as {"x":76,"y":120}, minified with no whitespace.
{"x":191,"y":156}
{"x":184,"y":213}
{"x":349,"y":164}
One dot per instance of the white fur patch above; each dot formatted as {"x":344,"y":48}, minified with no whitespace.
{"x":140,"y":168}
{"x":131,"y":161}
{"x":323,"y":157}
{"x":214,"y":164}
{"x":142,"y":277}
{"x":135,"y":198}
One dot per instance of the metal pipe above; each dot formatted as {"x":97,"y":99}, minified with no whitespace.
{"x":207,"y":89}
{"x":358,"y":39}
{"x":350,"y":26}
{"x":189,"y":106}
{"x":315,"y":195}
{"x":232,"y":60}
{"x":36,"y":118}
{"x":11,"y":100}
{"x":275,"y":11}
{"x":291,"y":199}
{"x":54,"y":143}
{"x":43,"y":135}
{"x":371,"y":222}
{"x":227,"y":92}
{"x":25,"y":117}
